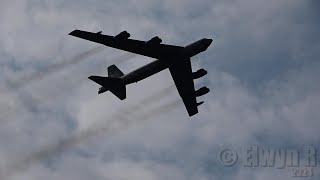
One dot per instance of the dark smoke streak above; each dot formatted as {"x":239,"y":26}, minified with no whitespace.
{"x":16,"y":85}
{"x":22,"y":82}
{"x":148,"y":100}
{"x":54,"y":68}
{"x":118,"y":122}
{"x":160,"y":109}
{"x":51,"y":69}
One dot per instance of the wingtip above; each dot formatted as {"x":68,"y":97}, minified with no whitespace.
{"x":91,"y":77}
{"x":192,"y":113}
{"x":73,"y":32}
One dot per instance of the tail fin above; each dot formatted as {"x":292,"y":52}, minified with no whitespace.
{"x":113,"y":84}
{"x":114,"y":71}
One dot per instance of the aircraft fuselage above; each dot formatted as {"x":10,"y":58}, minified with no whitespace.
{"x":145,"y":71}
{"x":161,"y":64}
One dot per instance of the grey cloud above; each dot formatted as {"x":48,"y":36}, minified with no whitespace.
{"x":119,"y":121}
{"x":272,"y":45}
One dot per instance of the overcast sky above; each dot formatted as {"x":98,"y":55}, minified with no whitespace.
{"x":263,"y":69}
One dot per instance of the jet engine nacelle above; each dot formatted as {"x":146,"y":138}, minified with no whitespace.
{"x":199,"y":103}
{"x":123,"y":35}
{"x":202,"y":91}
{"x":154,"y":40}
{"x":198,"y":74}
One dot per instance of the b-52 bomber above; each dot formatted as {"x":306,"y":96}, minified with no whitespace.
{"x":176,"y":58}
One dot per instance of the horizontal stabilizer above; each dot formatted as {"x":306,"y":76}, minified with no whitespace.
{"x":115,"y":85}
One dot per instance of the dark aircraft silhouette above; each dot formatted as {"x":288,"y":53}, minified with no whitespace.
{"x":176,"y":58}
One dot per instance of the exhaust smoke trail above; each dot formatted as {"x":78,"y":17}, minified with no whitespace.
{"x":15,"y":86}
{"x":54,"y":68}
{"x":51,"y":69}
{"x":122,"y":59}
{"x":149,"y":100}
{"x":118,"y":122}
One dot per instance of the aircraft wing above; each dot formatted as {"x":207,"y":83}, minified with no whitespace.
{"x":181,"y":73}
{"x":121,"y":41}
